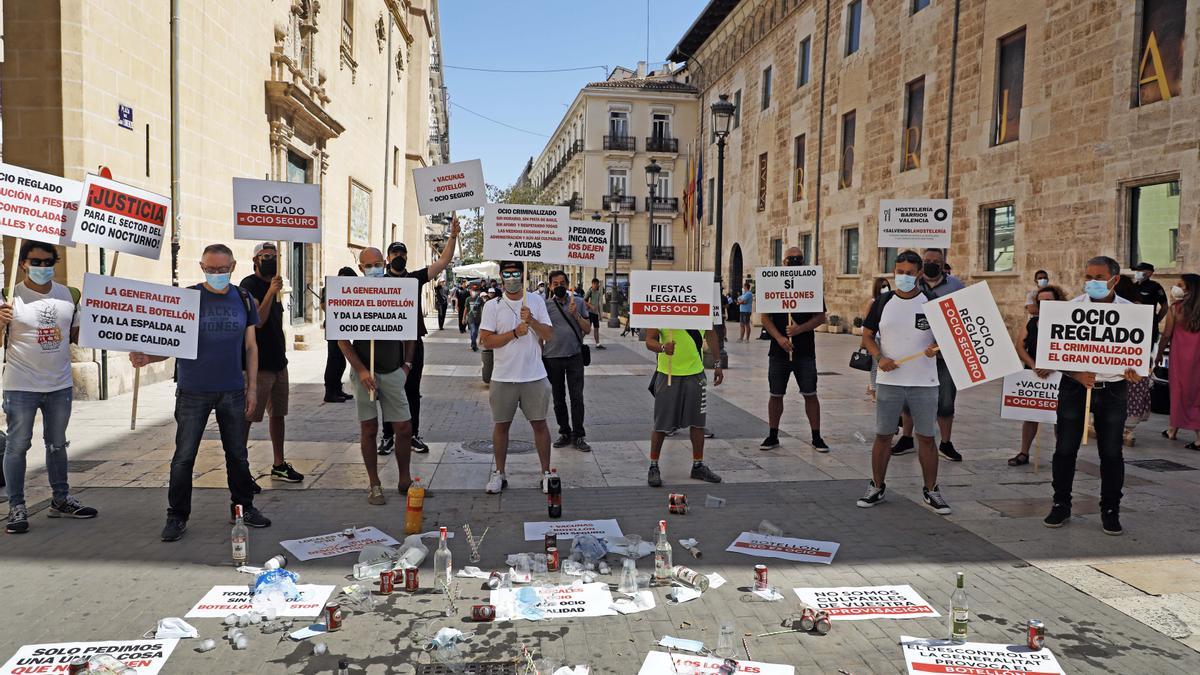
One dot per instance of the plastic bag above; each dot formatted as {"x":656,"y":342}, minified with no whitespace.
{"x":588,"y":547}
{"x":275,"y":588}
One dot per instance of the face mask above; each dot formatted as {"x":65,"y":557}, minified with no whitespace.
{"x":268,"y":267}
{"x":1139,"y":277}
{"x":884,"y":289}
{"x":794,"y":261}
{"x":375,"y":272}
{"x":1095,"y":289}
{"x":397,"y":265}
{"x":172,"y":627}
{"x":474,"y":293}
{"x":1178,"y":293}
{"x":560,"y":292}
{"x":1042,"y":283}
{"x":219,"y":282}
{"x":41,"y":275}
{"x":932,"y":270}
{"x":513,"y":285}
{"x":905,"y":282}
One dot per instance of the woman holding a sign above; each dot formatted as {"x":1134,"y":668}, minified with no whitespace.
{"x":1027,"y":352}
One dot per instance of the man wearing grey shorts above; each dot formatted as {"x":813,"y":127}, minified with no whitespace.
{"x":908,"y":377}
{"x":511,"y":326}
{"x":681,"y":395}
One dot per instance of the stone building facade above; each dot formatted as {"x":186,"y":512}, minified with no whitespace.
{"x":347,"y":94}
{"x":1060,"y":129}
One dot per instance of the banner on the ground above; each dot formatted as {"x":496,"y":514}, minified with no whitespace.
{"x":924,"y":656}
{"x":679,"y":300}
{"x":121,"y":217}
{"x":1030,"y":398}
{"x":147,"y":656}
{"x":718,"y":308}
{"x":365,"y":308}
{"x":569,"y":529}
{"x":443,"y":188}
{"x":336,"y":543}
{"x":779,"y":290}
{"x":787,"y":548}
{"x":37,"y":206}
{"x":587,"y":244}
{"x":124,"y":315}
{"x":1094,"y":337}
{"x":855,"y":603}
{"x":915,"y":223}
{"x":676,"y":663}
{"x":524,"y":232}
{"x":271,"y":210}
{"x":222,"y":601}
{"x":971,"y":336}
{"x":557,"y":602}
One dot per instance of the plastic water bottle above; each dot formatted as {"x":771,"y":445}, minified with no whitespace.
{"x":239,"y":536}
{"x":443,"y":566}
{"x":414,"y":508}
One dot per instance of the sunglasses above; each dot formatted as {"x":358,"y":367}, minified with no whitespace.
{"x":216,"y":270}
{"x":41,"y":262}
{"x":510,"y":275}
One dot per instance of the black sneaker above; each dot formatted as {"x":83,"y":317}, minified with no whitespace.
{"x":18,"y":520}
{"x":418,"y":445}
{"x":387,"y":445}
{"x":874,"y":496}
{"x":902,"y":446}
{"x":582,"y":445}
{"x":1059,"y":514}
{"x":174,"y":529}
{"x":1110,"y":520}
{"x":255,"y":487}
{"x":818,"y":443}
{"x":251,"y":516}
{"x":769,"y":443}
{"x":702,"y":472}
{"x":562,"y":441}
{"x":654,"y":476}
{"x":70,"y":508}
{"x":948,"y":451}
{"x":286,"y":473}
{"x":934,"y":500}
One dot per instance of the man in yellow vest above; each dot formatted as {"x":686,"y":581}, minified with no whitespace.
{"x":681,"y":394}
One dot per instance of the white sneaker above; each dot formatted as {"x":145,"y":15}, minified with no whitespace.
{"x":496,"y":483}
{"x":546,"y":482}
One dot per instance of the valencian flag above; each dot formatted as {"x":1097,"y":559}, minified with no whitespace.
{"x":688,"y":190}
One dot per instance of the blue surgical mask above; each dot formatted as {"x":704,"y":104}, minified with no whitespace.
{"x":375,"y":271}
{"x":905,"y":282}
{"x":219,"y":282}
{"x":41,"y":275}
{"x":1042,"y":283}
{"x":1096,"y":289}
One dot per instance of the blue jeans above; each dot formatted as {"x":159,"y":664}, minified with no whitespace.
{"x":192,"y":409}
{"x":21,"y":407}
{"x":474,"y":328}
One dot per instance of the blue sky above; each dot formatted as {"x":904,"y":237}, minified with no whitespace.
{"x":539,"y":34}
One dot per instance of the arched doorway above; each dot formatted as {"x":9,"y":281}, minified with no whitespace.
{"x":735,"y":268}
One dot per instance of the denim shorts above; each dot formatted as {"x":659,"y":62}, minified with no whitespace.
{"x":922,"y":404}
{"x":801,"y":366}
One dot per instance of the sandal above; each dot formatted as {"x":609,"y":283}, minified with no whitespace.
{"x":1169,"y":436}
{"x":1191,"y":446}
{"x":1021,"y":459}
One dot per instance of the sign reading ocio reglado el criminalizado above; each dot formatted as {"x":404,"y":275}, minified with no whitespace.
{"x":1094,"y":337}
{"x":364,"y":308}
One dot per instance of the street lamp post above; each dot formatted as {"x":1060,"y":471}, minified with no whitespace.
{"x":722,"y":117}
{"x":652,"y":171}
{"x":614,"y":305}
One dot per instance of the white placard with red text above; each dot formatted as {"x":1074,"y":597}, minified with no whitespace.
{"x":37,"y":206}
{"x":365,"y":308}
{"x":680,"y":300}
{"x":587,"y":244}
{"x":972,"y":337}
{"x":856,"y":603}
{"x":1030,"y":398}
{"x":924,"y":656}
{"x":787,"y":548}
{"x":125,"y":315}
{"x":146,"y":656}
{"x":915,"y":223}
{"x":678,"y":663}
{"x":271,"y":210}
{"x":559,"y":602}
{"x":1094,"y":337}
{"x":222,"y":601}
{"x":443,"y":188}
{"x":525,"y":232}
{"x":337,"y":543}
{"x":122,"y":217}
{"x":718,"y":313}
{"x":568,"y":529}
{"x":779,"y":290}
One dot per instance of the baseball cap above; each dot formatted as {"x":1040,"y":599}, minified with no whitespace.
{"x":397,"y":247}
{"x":1144,"y":267}
{"x":258,"y":248}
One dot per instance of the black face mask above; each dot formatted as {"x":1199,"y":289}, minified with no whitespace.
{"x":932,"y":270}
{"x":560,"y":292}
{"x":397,"y":265}
{"x":794,"y":260}
{"x":268,"y":267}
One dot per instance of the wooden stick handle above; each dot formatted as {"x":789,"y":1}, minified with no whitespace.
{"x":112,"y":271}
{"x":1087,"y":414}
{"x":12,"y":271}
{"x":910,"y":357}
{"x":137,"y":385}
{"x":372,"y":368}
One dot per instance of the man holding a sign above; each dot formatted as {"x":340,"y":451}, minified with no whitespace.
{"x":681,"y":394}
{"x":40,"y":322}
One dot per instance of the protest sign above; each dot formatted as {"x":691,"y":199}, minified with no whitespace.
{"x":1030,"y":398}
{"x":850,"y":603}
{"x":915,"y":223}
{"x":146,"y":656}
{"x":779,"y":290}
{"x":135,"y":316}
{"x":528,"y":233}
{"x":662,"y":663}
{"x":796,"y":550}
{"x":121,"y":217}
{"x":923,"y":656}
{"x":271,"y":210}
{"x":222,"y":601}
{"x":1093,"y":337}
{"x":336,"y":543}
{"x":442,"y":188}
{"x":37,"y":206}
{"x":670,"y":300}
{"x":363,"y":308}
{"x":557,"y":601}
{"x":587,"y":244}
{"x":972,"y":337}
{"x":718,"y":303}
{"x":567,"y":529}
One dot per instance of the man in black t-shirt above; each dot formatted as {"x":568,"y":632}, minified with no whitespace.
{"x":462,"y":298}
{"x":793,"y":354}
{"x":397,"y":258}
{"x":265,"y":285}
{"x":1150,"y":293}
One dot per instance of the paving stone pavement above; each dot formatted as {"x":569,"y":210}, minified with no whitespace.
{"x":1127,"y":604}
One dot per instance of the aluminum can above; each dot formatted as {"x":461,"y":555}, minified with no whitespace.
{"x":1035,"y":634}
{"x":821,"y":622}
{"x":387,"y":582}
{"x":760,"y":577}
{"x":808,"y":619}
{"x":412,"y":580}
{"x":483,"y":612}
{"x":552,"y":559}
{"x":333,"y":616}
{"x":677,"y":503}
{"x":78,"y":666}
{"x":494,"y":580}
{"x":551,"y":541}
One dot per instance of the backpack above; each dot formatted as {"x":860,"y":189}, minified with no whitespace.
{"x":251,"y":318}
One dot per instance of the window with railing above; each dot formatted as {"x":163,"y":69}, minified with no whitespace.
{"x":348,"y":25}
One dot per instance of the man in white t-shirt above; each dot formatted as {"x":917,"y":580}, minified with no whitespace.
{"x":511,"y":327}
{"x":41,"y":321}
{"x":908,"y":377}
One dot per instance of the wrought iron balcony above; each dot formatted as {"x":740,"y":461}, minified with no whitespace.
{"x":666,"y":204}
{"x":662,"y":253}
{"x":575,"y":201}
{"x":662,"y":144}
{"x":624,"y":253}
{"x":623,"y":143}
{"x":626,"y":203}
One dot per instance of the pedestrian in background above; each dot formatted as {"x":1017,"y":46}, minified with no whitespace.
{"x":461,"y":294}
{"x":1026,"y":345}
{"x":441,"y":300}
{"x":563,"y":357}
{"x":475,"y":302}
{"x":745,"y":312}
{"x":1041,"y":279}
{"x":1181,"y":336}
{"x":1137,"y":408}
{"x":880,"y":287}
{"x":595,"y":307}
{"x":335,"y":361}
{"x":1150,"y":292}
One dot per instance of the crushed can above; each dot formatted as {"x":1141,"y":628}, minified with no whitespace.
{"x":483,"y":612}
{"x":333,"y":616}
{"x":493,"y":581}
{"x":387,"y":582}
{"x":677,"y":503}
{"x":821,"y":622}
{"x":1035,"y":634}
{"x":78,"y":666}
{"x":808,"y":619}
